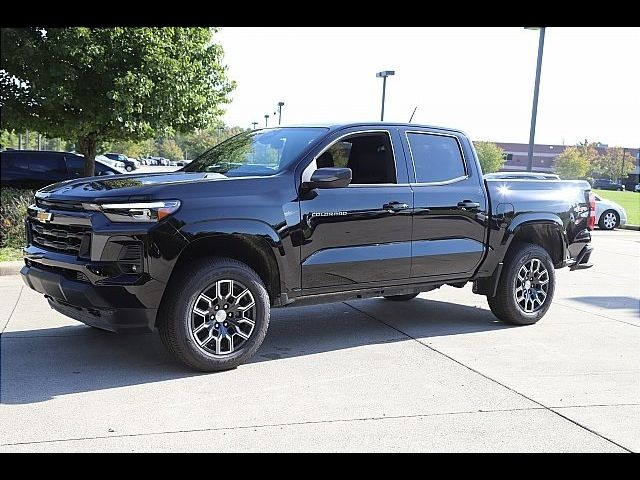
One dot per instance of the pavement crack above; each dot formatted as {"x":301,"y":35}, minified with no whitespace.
{"x":275,"y":425}
{"x":13,"y":309}
{"x":593,"y":313}
{"x":550,"y":409}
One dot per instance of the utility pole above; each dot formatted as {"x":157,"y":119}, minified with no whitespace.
{"x":39,"y":141}
{"x":280,"y":105}
{"x":624,"y":152}
{"x":254,"y":124}
{"x":384,"y":74}
{"x":19,"y":141}
{"x":266,"y":120}
{"x":536,"y":90}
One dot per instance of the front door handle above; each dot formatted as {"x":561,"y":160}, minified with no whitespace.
{"x":468,"y":204}
{"x":395,"y":206}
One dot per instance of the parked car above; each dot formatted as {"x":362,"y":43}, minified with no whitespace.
{"x":38,"y":168}
{"x":172,"y":163}
{"x":297,"y":215}
{"x":117,"y":164}
{"x":609,"y":214}
{"x":606,"y":184}
{"x":182,"y":163}
{"x":636,"y":188}
{"x":521,"y":176}
{"x":130,"y":164}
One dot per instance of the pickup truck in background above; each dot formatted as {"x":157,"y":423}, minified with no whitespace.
{"x":300,"y":215}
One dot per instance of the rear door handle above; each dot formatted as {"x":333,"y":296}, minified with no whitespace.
{"x":468,"y":204}
{"x":395,"y":206}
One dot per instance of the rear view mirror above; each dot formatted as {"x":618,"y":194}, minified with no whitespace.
{"x":329,"y":177}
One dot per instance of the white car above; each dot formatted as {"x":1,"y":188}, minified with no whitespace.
{"x":637,"y":188}
{"x":609,"y":215}
{"x":112,"y":163}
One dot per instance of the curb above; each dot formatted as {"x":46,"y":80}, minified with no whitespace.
{"x":11,"y":268}
{"x":632,"y":227}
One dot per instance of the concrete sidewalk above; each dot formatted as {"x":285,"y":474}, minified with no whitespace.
{"x":438,"y":373}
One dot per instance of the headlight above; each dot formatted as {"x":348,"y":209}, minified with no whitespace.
{"x":136,"y":212}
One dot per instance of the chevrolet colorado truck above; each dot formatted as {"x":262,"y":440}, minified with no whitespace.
{"x":299,"y":215}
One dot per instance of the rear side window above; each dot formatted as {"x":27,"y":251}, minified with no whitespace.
{"x":436,"y":158}
{"x":47,"y":163}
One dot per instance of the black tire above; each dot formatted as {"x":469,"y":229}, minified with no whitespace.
{"x":128,"y":168}
{"x":175,"y":315}
{"x":601,"y":222}
{"x":504,"y":304}
{"x":401,"y":298}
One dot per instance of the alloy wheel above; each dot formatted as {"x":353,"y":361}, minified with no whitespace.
{"x":223,"y":318}
{"x":531,"y":286}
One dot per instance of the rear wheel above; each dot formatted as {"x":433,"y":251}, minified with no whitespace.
{"x":609,"y":220}
{"x":401,"y":298}
{"x":128,"y":168}
{"x":216,"y":315}
{"x":526,"y":286}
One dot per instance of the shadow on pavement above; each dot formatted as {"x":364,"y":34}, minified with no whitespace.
{"x":39,"y":365}
{"x":615,"y":302}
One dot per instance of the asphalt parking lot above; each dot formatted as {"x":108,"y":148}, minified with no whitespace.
{"x":438,"y":373}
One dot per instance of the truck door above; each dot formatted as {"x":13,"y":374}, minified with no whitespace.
{"x":361,"y":233}
{"x":450,"y":204}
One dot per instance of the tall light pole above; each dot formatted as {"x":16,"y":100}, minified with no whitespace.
{"x":280,"y":105}
{"x":266,"y":120}
{"x":254,"y":124}
{"x":384,"y":74}
{"x":536,"y":89}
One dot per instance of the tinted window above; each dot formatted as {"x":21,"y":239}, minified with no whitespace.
{"x":14,"y":161}
{"x":46,"y":163}
{"x":75,"y":164}
{"x":436,"y":158}
{"x":369,"y":156}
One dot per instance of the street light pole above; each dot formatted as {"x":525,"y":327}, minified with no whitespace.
{"x":384,"y":74}
{"x":254,"y":124}
{"x":280,"y":105}
{"x":536,"y":89}
{"x":266,"y":120}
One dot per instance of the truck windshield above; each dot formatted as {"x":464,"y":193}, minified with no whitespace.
{"x":260,"y":152}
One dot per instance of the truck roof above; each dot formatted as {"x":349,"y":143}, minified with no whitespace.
{"x":340,"y":126}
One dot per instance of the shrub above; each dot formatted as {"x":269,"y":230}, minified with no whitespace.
{"x":13,"y":210}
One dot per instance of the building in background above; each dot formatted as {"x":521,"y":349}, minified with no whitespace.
{"x":544,"y":157}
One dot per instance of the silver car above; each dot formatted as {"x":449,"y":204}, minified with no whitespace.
{"x":609,"y":215}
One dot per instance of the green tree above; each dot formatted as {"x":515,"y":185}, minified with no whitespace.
{"x":573,"y":163}
{"x":91,"y":85}
{"x":611,"y":165}
{"x":168,"y":148}
{"x":490,"y":155}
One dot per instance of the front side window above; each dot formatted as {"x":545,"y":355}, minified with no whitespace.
{"x":368,"y":155}
{"x":260,"y":152}
{"x":46,"y":164}
{"x":436,"y":158}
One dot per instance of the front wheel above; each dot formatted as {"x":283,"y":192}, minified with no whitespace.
{"x":609,"y":220}
{"x":128,"y":168}
{"x":216,"y":315}
{"x":526,"y":286}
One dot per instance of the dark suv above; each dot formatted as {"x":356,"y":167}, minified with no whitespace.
{"x":606,"y":184}
{"x":38,"y":168}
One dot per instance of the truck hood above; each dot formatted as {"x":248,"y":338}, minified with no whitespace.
{"x":123,"y":186}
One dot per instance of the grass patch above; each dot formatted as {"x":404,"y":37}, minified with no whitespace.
{"x":630,"y":201}
{"x":7,"y":254}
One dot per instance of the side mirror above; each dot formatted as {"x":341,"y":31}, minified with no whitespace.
{"x":329,"y":177}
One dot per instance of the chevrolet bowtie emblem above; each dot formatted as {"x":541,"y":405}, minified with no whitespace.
{"x":44,"y":216}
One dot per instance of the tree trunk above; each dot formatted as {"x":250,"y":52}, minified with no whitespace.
{"x":87,"y":146}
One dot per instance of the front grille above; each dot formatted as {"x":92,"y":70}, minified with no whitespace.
{"x":131,"y":253}
{"x":70,"y":239}
{"x":57,"y":205}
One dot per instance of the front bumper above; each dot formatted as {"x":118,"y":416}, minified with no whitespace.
{"x":110,"y":307}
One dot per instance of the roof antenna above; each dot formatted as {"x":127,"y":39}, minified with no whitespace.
{"x":414,"y":112}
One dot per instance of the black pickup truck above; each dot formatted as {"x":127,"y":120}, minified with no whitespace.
{"x":299,"y":215}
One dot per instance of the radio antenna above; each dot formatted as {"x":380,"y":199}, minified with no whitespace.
{"x":414,"y":112}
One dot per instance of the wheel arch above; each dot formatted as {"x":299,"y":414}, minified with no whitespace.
{"x":253,"y":243}
{"x":547,"y":232}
